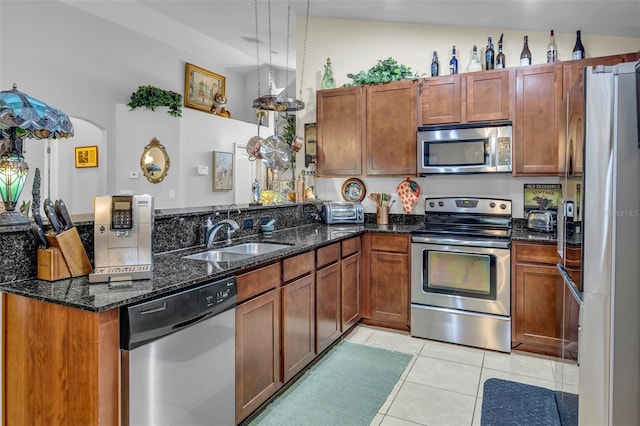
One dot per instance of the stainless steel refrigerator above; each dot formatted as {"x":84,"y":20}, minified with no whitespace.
{"x":609,"y":204}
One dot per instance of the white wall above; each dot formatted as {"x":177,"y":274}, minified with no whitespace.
{"x":87,"y":67}
{"x":189,"y":142}
{"x":358,"y":45}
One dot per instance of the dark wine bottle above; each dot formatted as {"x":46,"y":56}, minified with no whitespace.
{"x":578,"y":49}
{"x":501,"y":61}
{"x":453,"y":63}
{"x":552,"y":49}
{"x":525,"y":55}
{"x":435,"y":65}
{"x":489,"y":56}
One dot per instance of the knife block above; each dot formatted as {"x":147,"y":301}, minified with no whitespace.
{"x":65,"y":257}
{"x":51,"y":265}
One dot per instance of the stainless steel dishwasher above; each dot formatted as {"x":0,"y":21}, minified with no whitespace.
{"x":178,"y":357}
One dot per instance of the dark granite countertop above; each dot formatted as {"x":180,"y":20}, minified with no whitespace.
{"x":520,"y":232}
{"x":173,"y":272}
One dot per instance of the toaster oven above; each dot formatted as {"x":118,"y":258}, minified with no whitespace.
{"x":342,"y":212}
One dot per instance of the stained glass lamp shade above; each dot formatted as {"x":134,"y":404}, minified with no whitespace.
{"x":22,"y":116}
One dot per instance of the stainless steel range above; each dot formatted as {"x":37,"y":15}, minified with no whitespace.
{"x":461,"y":273}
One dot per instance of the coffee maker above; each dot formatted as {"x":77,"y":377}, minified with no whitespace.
{"x":123,"y":235}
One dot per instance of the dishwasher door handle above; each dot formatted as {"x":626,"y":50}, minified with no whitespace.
{"x":191,"y":321}
{"x":154,"y":310}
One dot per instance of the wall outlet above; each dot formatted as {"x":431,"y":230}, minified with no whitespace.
{"x":264,"y":220}
{"x":247,"y":223}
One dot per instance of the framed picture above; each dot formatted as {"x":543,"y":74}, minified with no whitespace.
{"x":222,"y":171}
{"x":542,"y":196}
{"x":86,"y":156}
{"x":200,"y":86}
{"x":309,"y":143}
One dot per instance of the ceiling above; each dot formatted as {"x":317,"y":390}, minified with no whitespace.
{"x":233,"y":22}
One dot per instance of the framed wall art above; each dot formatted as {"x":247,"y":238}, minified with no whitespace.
{"x":222,"y":171}
{"x":86,"y":156}
{"x":201,"y":86}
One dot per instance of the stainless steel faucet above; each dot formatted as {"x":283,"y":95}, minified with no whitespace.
{"x":232,"y":227}
{"x":230,"y":207}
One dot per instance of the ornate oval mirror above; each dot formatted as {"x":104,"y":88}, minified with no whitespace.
{"x":154,"y":161}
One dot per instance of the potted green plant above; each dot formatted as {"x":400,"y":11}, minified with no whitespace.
{"x":384,"y":71}
{"x":151,"y":97}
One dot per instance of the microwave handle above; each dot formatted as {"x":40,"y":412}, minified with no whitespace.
{"x":493,"y":145}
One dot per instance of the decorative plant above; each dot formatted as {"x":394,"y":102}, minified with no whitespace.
{"x":383,"y":72}
{"x":151,"y":97}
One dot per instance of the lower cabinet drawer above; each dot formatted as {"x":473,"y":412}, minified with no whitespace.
{"x":298,"y":266}
{"x":258,"y":281}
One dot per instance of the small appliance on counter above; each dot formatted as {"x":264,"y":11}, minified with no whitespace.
{"x":342,"y":212}
{"x":542,"y":220}
{"x":123,"y":234}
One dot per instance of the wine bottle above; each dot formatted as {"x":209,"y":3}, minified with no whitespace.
{"x":552,"y":49}
{"x":474,"y":64}
{"x":500,"y":58}
{"x":489,"y":56}
{"x":435,"y":65}
{"x":578,"y":49}
{"x":525,"y":55}
{"x":453,"y":63}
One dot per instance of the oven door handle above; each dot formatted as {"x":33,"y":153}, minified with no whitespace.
{"x":488,"y":243}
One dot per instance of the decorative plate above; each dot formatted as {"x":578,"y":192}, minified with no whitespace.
{"x":353,"y":189}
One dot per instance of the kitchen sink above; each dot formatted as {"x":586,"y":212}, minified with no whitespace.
{"x":237,"y":252}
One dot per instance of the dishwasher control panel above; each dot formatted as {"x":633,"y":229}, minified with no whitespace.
{"x":213,"y":296}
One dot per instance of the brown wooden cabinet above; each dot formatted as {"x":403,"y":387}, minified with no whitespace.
{"x":298,"y":314}
{"x":440,"y":100}
{"x":537,"y":298}
{"x":356,"y":124}
{"x":339,"y":115}
{"x":391,"y":126}
{"x":257,"y":338}
{"x":60,"y":364}
{"x":488,"y":95}
{"x":538,"y":128}
{"x":328,"y":284}
{"x":350,"y":267}
{"x":470,"y":97}
{"x":571,"y":153}
{"x":386,"y":287}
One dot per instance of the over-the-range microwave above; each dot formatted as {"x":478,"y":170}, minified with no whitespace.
{"x":465,"y":148}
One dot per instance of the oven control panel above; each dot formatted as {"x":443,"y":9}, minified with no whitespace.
{"x":487,"y":206}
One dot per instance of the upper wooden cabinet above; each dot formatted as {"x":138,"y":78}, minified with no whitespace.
{"x":461,"y":98}
{"x":570,"y":153}
{"x":368,"y":130}
{"x":537,"y":131}
{"x":391,"y":129}
{"x":440,"y":100}
{"x":339,"y":132}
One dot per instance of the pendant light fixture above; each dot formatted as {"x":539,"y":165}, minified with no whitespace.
{"x":271,"y":102}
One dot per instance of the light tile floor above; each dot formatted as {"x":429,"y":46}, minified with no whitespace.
{"x":442,"y":385}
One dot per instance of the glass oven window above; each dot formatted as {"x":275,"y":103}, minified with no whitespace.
{"x":460,"y":274}
{"x":471,"y":152}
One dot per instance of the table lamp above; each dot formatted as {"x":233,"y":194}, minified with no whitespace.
{"x":22,"y":116}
